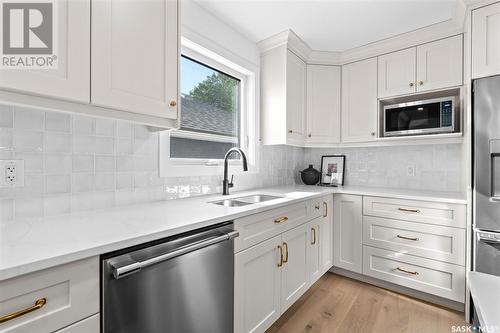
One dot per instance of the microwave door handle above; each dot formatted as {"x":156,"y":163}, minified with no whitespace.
{"x":119,"y":272}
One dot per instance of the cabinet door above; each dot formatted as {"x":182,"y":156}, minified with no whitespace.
{"x":396,"y":73}
{"x":323,"y":104}
{"x":88,"y":325}
{"x":439,"y":64}
{"x":485,"y":37}
{"x":295,"y":99}
{"x":347,"y":232}
{"x":295,"y":270}
{"x":359,"y":101}
{"x":257,"y":281}
{"x":326,"y":236}
{"x":135,"y":56}
{"x":71,"y":79}
{"x":314,"y":235}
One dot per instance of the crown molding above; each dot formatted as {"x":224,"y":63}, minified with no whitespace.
{"x":451,"y":27}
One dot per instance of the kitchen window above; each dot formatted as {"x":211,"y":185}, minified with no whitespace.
{"x":217,"y":104}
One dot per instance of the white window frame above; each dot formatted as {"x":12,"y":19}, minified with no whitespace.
{"x":181,"y":167}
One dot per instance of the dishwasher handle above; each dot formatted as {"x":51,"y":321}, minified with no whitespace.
{"x":119,"y":272}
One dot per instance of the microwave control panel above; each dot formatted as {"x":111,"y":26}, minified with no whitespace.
{"x":446,"y":114}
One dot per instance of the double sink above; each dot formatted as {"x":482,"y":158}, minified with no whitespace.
{"x":247,"y":200}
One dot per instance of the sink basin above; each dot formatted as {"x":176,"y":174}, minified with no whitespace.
{"x":256,"y":198}
{"x":231,"y":203}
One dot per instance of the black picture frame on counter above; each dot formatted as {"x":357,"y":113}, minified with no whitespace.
{"x":332,"y":170}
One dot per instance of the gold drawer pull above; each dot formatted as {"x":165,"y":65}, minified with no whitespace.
{"x":325,"y":206}
{"x":281,"y":219}
{"x":39,"y":303}
{"x":408,"y":238}
{"x":281,"y":256}
{"x":409,"y":210}
{"x":313,"y":231}
{"x":285,"y":245}
{"x":405,"y":271}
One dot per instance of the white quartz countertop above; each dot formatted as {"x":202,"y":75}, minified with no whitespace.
{"x":28,"y":245}
{"x":485,"y":291}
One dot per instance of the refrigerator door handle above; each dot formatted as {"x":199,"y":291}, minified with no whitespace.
{"x":485,"y":237}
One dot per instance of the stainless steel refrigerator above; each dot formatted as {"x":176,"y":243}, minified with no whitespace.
{"x":486,"y":180}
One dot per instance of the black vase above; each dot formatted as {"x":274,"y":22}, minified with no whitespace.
{"x":310,"y":176}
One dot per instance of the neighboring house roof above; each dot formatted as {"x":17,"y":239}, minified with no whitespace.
{"x":202,"y":116}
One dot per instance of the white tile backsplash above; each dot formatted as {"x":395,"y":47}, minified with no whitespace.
{"x":77,"y":163}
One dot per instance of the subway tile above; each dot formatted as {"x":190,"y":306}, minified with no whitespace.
{"x":124,"y":163}
{"x":6,"y":116}
{"x":124,"y":180}
{"x":83,"y":163}
{"x":83,"y":144}
{"x":103,"y":200}
{"x":6,"y":139}
{"x":141,"y":132}
{"x":83,"y":182}
{"x":28,"y":118}
{"x":105,"y":127}
{"x":104,"y":145}
{"x":82,"y":202}
{"x":57,"y":142}
{"x":6,"y":210}
{"x":28,"y":141}
{"x":33,"y":186}
{"x":105,"y":181}
{"x":104,"y":163}
{"x":57,"y":184}
{"x":124,"y":146}
{"x":57,"y":205}
{"x":33,"y":162}
{"x":83,"y":125}
{"x":143,"y":163}
{"x":57,"y":122}
{"x":58,"y":164}
{"x":141,"y":179}
{"x":144,"y":146}
{"x":124,"y":197}
{"x":123,"y":129}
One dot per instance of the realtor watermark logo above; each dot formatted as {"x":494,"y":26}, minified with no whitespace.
{"x":28,"y":34}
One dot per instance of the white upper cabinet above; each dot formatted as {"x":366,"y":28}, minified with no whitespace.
{"x":296,"y":99}
{"x":323,"y":105}
{"x":396,"y":73}
{"x":359,"y":101}
{"x":429,"y":66}
{"x":283,"y":87}
{"x":440,"y":64}
{"x":71,"y":79}
{"x":485,"y":41}
{"x":135,"y":59}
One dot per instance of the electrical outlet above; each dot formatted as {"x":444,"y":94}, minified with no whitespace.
{"x":411,"y":170}
{"x":11,"y":173}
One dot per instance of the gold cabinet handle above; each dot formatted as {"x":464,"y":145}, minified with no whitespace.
{"x":405,"y":271}
{"x":39,"y":303}
{"x":285,"y":245}
{"x":281,"y":219}
{"x":409,"y":210}
{"x":173,"y":103}
{"x":280,"y":263}
{"x":325,"y":209}
{"x":408,"y":238}
{"x":313,"y":232}
{"x":411,"y":84}
{"x":420,"y":83}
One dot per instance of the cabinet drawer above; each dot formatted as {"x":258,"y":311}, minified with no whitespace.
{"x":88,"y":325}
{"x":424,"y":240}
{"x":317,"y":208}
{"x":417,"y":211}
{"x":429,"y":276}
{"x":71,"y":292}
{"x":256,"y":228}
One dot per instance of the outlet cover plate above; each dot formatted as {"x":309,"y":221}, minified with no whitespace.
{"x":19,"y":173}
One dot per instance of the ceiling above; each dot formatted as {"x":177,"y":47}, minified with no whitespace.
{"x":330,"y":25}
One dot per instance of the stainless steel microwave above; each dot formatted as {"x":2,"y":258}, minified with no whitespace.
{"x":430,"y":116}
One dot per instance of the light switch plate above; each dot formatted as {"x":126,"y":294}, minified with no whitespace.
{"x":11,"y":173}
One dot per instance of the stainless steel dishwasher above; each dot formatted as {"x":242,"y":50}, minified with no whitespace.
{"x":181,"y":284}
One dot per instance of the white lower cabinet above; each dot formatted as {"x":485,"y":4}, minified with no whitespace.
{"x":295,"y":272}
{"x":272,"y":275}
{"x":347,"y":232}
{"x":257,"y":284}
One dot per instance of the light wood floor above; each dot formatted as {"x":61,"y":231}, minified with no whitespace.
{"x":340,"y":304}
